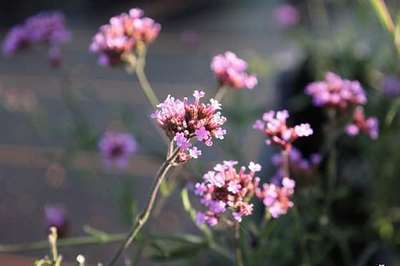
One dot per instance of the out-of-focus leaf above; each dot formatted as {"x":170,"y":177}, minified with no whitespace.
{"x":383,"y":14}
{"x":180,"y":252}
{"x":397,"y":34}
{"x":393,"y":110}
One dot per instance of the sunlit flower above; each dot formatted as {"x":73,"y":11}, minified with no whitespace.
{"x":116,"y":148}
{"x":361,"y":124}
{"x":336,"y":92}
{"x":287,"y":15}
{"x":44,"y":28}
{"x":227,"y":190}
{"x":122,"y":34}
{"x":231,"y":71}
{"x":274,"y":126}
{"x":185,"y":120}
{"x":277,"y":198}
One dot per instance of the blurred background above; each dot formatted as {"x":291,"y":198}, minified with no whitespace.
{"x":52,"y":118}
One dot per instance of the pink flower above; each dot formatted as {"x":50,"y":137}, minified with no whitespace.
{"x":277,"y":199}
{"x":184,"y":120}
{"x":335,"y":92}
{"x":121,"y":36}
{"x":116,"y":148}
{"x":231,"y":71}
{"x":274,"y":126}
{"x":287,"y":15}
{"x":360,"y":123}
{"x":226,"y":189}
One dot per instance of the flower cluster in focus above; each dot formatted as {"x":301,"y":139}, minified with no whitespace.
{"x":231,"y":71}
{"x":224,"y":189}
{"x":336,"y":92}
{"x":122,"y":35}
{"x":277,"y":198}
{"x":184,"y":120}
{"x":274,"y":126}
{"x":361,"y":124}
{"x":44,"y":28}
{"x":115,"y":148}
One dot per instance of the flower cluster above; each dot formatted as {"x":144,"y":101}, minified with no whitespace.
{"x":184,"y":120}
{"x":231,"y":71}
{"x":336,"y":92}
{"x":274,"y":126}
{"x":277,"y":198}
{"x":46,"y":28}
{"x":224,"y":189}
{"x":122,"y":35}
{"x":115,"y":148}
{"x":362,"y":124}
{"x":297,"y":164}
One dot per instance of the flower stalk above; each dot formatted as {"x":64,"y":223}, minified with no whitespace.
{"x":142,"y":219}
{"x":238,"y":250}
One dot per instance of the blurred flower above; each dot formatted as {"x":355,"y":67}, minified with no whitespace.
{"x":224,"y":189}
{"x":231,"y":71}
{"x":273,"y":125}
{"x":116,"y":148}
{"x":184,"y":120}
{"x":277,"y":198}
{"x":44,"y":28}
{"x":391,"y":86}
{"x":56,"y":216}
{"x":16,"y":100}
{"x":287,"y":15}
{"x":121,"y":36}
{"x":336,"y":92}
{"x":361,"y":124}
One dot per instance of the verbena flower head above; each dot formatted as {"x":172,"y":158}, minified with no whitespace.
{"x":231,"y":71}
{"x":277,"y":198}
{"x":116,"y":148}
{"x":335,"y":92}
{"x":227,"y":190}
{"x":121,"y":36}
{"x":190,"y":119}
{"x":287,"y":15}
{"x":56,"y":216}
{"x":361,"y":124}
{"x":44,"y":28}
{"x":274,"y":126}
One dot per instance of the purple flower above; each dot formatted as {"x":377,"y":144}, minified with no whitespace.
{"x":116,"y":148}
{"x":186,"y":120}
{"x":44,"y":28}
{"x":121,"y":36}
{"x":274,"y":126}
{"x":287,"y":15}
{"x":56,"y":215}
{"x":391,"y":86}
{"x":231,"y":71}
{"x":361,"y":124}
{"x":335,"y":92}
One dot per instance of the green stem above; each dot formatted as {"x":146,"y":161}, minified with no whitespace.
{"x":68,"y":242}
{"x":220,"y":93}
{"x":142,"y":219}
{"x":143,"y":81}
{"x":238,"y":250}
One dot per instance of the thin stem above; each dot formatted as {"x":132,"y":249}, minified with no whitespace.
{"x":142,"y":219}
{"x":143,"y":81}
{"x":286,"y":163}
{"x":238,"y":250}
{"x":220,"y":93}
{"x":68,"y":242}
{"x":332,"y":161}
